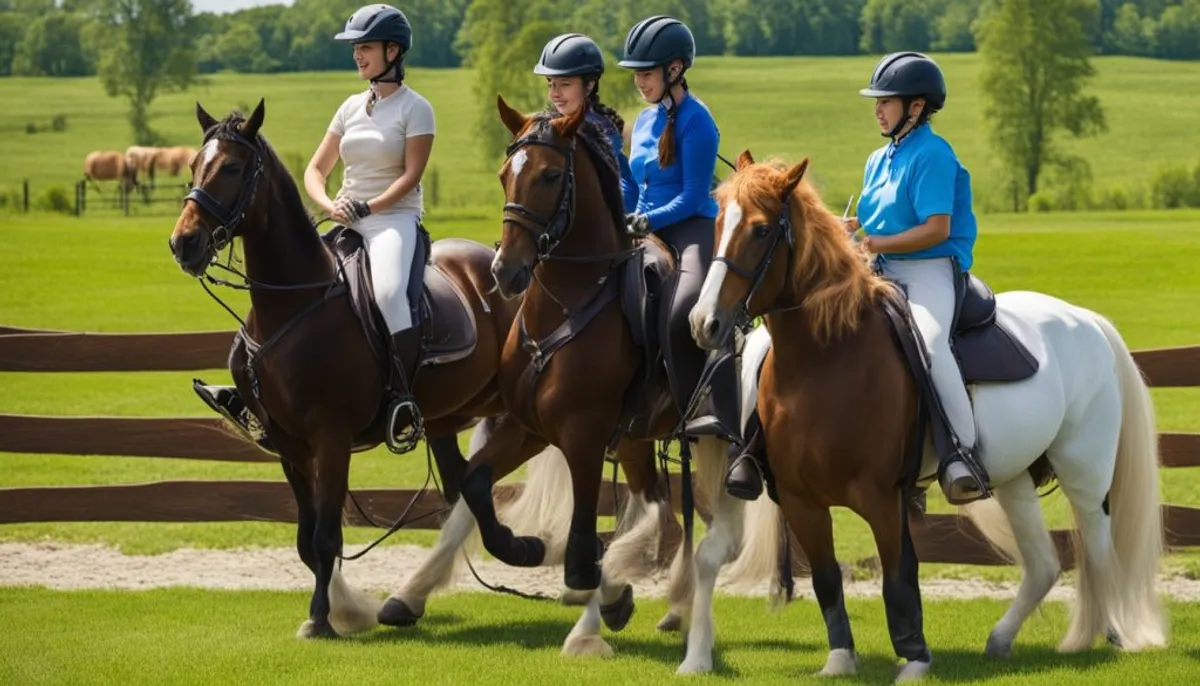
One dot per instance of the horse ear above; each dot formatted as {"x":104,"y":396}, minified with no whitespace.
{"x":255,"y":122}
{"x":794,"y":175}
{"x":744,"y":160}
{"x":514,"y":120}
{"x":206,"y":120}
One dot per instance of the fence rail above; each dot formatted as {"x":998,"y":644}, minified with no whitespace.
{"x":937,"y":538}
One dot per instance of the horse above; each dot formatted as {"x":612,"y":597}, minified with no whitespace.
{"x":582,"y":371}
{"x":311,"y":360}
{"x":843,"y":414}
{"x":108,"y":165}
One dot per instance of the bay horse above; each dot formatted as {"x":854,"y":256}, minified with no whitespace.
{"x":310,"y":359}
{"x":580,"y":371}
{"x":841,"y":413}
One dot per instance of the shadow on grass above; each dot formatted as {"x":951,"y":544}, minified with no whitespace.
{"x":549,"y":635}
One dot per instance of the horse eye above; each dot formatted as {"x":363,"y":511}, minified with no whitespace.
{"x":762,"y":231}
{"x":231,"y":168}
{"x":552,"y":175}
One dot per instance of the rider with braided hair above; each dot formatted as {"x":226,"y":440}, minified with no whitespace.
{"x":573,"y":64}
{"x":673,"y":157}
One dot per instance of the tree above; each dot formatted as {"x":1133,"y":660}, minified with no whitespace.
{"x":1035,"y":65}
{"x":142,"y":47}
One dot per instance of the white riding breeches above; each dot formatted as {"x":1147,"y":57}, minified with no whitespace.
{"x":391,"y":244}
{"x":930,"y":286}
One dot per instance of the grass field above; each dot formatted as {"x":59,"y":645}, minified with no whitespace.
{"x":117,"y":275}
{"x":774,"y":106}
{"x":186,"y":637}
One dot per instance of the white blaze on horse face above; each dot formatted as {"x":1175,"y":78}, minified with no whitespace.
{"x":706,"y":304}
{"x":518,"y":162}
{"x":210,"y":153}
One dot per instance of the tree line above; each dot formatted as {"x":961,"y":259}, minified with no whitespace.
{"x":62,"y":37}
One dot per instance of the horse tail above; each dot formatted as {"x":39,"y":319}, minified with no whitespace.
{"x":1134,"y":505}
{"x":762,"y":557}
{"x":545,"y":505}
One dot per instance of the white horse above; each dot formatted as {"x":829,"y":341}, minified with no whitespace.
{"x":1086,"y":408}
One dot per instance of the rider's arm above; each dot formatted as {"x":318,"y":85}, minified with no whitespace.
{"x":418,"y":143}
{"x":696,"y":147}
{"x":318,"y":169}
{"x":930,"y":188}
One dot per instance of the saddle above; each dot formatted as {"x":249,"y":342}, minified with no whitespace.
{"x":986,"y":352}
{"x":438,"y":306}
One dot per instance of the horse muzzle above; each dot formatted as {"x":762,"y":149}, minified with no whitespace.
{"x":192,"y":251}
{"x":711,"y":327}
{"x":512,"y":278}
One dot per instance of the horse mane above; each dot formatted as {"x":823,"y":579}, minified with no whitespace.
{"x":831,"y":274}
{"x":604,"y":159}
{"x":285,"y":194}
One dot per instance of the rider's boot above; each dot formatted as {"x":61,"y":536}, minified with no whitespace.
{"x":745,"y":476}
{"x":227,"y":402}
{"x":405,"y":425}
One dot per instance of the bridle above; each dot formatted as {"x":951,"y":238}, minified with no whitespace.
{"x":546,"y":232}
{"x":781,"y":230}
{"x":229,"y":220}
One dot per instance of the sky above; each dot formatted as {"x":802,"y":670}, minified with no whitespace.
{"x":222,"y":6}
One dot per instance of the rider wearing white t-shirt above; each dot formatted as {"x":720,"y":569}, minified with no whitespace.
{"x":383,"y":136}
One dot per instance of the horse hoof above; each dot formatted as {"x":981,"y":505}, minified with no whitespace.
{"x":1113,"y":639}
{"x":841,"y":662}
{"x":698,"y":666}
{"x":670,"y":622}
{"x":586,"y":645}
{"x":395,"y":612}
{"x":997,"y":647}
{"x":311,"y":629}
{"x":617,"y":614}
{"x":913,"y":671}
{"x":533,"y":551}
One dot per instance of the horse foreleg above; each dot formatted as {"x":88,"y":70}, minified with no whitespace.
{"x":332,"y":455}
{"x":507,"y":448}
{"x":813,"y":528}
{"x":901,"y":594}
{"x":581,"y":563}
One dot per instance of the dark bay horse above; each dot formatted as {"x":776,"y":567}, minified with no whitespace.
{"x":839,"y":408}
{"x":579,"y":373}
{"x":308,"y":371}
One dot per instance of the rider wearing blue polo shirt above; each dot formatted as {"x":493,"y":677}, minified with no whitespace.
{"x":672,"y":157}
{"x":915,"y":213}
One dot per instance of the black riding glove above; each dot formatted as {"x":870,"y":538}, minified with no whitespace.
{"x":637,"y":225}
{"x":357,"y":209}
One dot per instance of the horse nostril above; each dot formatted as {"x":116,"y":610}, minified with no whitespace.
{"x":712,"y":327}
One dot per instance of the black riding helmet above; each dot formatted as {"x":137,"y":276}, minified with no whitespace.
{"x":380,"y":23}
{"x":570,"y":54}
{"x":656,"y":41}
{"x":908,"y":75}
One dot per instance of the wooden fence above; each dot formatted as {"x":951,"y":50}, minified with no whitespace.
{"x":938,"y":538}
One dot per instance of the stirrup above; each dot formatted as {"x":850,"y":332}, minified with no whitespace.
{"x":412,"y":434}
{"x":242,"y":419}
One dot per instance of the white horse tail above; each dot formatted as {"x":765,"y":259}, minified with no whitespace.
{"x":761,"y":557}
{"x":1134,"y":505}
{"x":545,"y":505}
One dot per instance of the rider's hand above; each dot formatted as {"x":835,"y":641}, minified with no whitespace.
{"x":339,"y":213}
{"x":637,"y":225}
{"x":851,"y":224}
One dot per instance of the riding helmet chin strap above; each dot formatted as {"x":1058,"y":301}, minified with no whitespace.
{"x":398,"y":75}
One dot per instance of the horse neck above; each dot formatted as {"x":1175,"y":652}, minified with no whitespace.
{"x":283,"y":248}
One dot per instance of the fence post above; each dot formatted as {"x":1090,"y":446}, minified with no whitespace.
{"x":25,"y":189}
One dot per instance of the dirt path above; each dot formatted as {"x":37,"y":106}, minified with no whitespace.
{"x":69,"y":566}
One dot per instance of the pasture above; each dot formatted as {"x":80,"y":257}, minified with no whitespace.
{"x":115,"y":274}
{"x":784,"y":106}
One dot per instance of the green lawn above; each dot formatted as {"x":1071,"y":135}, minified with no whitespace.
{"x":173,"y":636}
{"x":774,"y":106}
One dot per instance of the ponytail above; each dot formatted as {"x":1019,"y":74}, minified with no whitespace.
{"x":666,"y":142}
